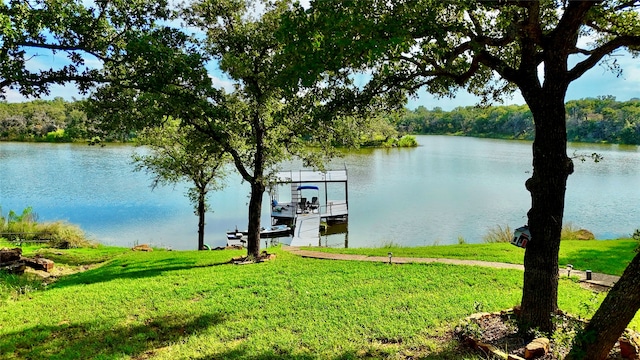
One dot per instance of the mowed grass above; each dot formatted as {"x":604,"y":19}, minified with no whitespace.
{"x":602,"y":256}
{"x":196,"y":305}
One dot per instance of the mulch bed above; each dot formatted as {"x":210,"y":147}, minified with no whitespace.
{"x":501,"y":331}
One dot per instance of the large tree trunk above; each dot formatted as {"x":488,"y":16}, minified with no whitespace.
{"x":547,"y":186}
{"x":201,"y":223}
{"x":612,"y":317}
{"x":255,"y":211}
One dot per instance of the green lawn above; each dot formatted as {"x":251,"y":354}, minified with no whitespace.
{"x":603,"y":256}
{"x":195,"y":305}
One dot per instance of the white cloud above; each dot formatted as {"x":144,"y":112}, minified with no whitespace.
{"x":13,"y":96}
{"x":220,"y":83}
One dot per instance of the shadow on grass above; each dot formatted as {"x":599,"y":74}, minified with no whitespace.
{"x":92,"y":340}
{"x":454,"y":350}
{"x":440,"y":355}
{"x":131,"y":269}
{"x":613,"y":261}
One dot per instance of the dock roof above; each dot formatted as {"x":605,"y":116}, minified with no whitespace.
{"x":311,"y":176}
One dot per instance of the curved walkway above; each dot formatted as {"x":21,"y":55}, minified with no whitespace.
{"x":602,"y":280}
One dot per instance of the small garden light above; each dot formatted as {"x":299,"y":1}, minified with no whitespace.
{"x":390,"y":255}
{"x":569,"y":268}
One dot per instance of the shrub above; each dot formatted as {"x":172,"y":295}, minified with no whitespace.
{"x":498,"y":234}
{"x":63,"y":235}
{"x":23,"y":223}
{"x":571,"y":232}
{"x":24,"y":227}
{"x":57,"y":136}
{"x":407,"y":141}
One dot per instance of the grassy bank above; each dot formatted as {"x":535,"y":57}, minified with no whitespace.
{"x":179,"y":305}
{"x":604,"y":256}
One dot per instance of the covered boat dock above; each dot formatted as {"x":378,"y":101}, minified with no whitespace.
{"x":308,"y":202}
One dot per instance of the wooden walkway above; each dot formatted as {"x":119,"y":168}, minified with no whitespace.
{"x":334,"y":208}
{"x":306,"y":231}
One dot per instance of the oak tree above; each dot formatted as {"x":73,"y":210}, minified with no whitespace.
{"x":490,"y":48}
{"x":179,"y":154}
{"x":80,"y":37}
{"x":263,"y":119}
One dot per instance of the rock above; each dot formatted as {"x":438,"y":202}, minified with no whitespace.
{"x":63,"y":245}
{"x":14,"y":267}
{"x":10,"y":255}
{"x":142,"y":247}
{"x":628,"y":349}
{"x":39,"y":263}
{"x":517,"y":310}
{"x":478,"y":316}
{"x":584,"y":234}
{"x":538,"y":347}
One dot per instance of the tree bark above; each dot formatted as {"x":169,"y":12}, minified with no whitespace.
{"x":255,"y":211}
{"x":201,"y":223}
{"x":609,"y":322}
{"x":551,"y":168}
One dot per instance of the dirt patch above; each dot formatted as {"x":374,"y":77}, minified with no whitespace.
{"x":244,"y":260}
{"x":500,"y":331}
{"x":59,"y":271}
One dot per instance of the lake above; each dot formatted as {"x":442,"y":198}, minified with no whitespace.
{"x":448,"y":188}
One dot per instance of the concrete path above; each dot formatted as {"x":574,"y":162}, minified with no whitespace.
{"x":601,"y":280}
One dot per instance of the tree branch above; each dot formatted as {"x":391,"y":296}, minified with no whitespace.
{"x":628,"y":4}
{"x":597,"y":54}
{"x":61,"y":48}
{"x":571,"y":21}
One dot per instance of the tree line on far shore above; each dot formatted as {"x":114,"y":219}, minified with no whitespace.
{"x":592,"y":120}
{"x":59,"y":120}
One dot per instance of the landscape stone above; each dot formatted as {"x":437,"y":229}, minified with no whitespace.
{"x":142,"y":247}
{"x":538,"y":347}
{"x":628,"y":349}
{"x":39,"y":263}
{"x":9,"y":255}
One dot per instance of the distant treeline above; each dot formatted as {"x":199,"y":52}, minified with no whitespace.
{"x":63,"y":121}
{"x":42,"y":120}
{"x":602,"y":119}
{"x":49,"y":120}
{"x":599,"y":120}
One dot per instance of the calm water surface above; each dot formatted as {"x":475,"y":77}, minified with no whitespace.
{"x":447,"y":188}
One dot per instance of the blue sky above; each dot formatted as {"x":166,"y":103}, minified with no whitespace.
{"x":598,"y":81}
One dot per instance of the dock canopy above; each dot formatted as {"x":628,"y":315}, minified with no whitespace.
{"x":308,"y":187}
{"x":311,"y":176}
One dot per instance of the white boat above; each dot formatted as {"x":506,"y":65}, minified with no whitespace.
{"x":236,"y":237}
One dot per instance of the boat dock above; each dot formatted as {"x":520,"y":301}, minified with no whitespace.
{"x":306,"y":203}
{"x":306,"y":230}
